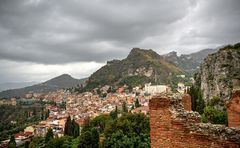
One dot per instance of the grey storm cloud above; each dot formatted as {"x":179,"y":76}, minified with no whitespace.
{"x":58,"y":32}
{"x":54,"y":32}
{"x":66,"y":31}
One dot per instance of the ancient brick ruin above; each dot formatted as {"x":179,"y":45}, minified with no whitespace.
{"x":173,"y":126}
{"x":233,"y":109}
{"x":187,"y":102}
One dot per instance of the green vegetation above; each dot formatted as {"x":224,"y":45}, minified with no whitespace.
{"x":235,"y":46}
{"x":209,"y":113}
{"x":62,"y":142}
{"x":71,"y":128}
{"x":197,"y":101}
{"x":12,"y":142}
{"x":131,"y":70}
{"x":136,"y":103}
{"x":130,"y":130}
{"x":15,"y":118}
{"x":89,"y":139}
{"x":134,"y":80}
{"x":124,"y":107}
{"x":114,"y":113}
{"x":49,"y":135}
{"x":37,"y":142}
{"x":173,"y":81}
{"x":214,"y":101}
{"x":212,"y":114}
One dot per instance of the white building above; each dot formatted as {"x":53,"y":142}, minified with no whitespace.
{"x":155,"y":89}
{"x":181,"y":88}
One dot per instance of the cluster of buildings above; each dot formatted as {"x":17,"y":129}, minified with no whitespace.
{"x":84,"y":106}
{"x":11,"y":101}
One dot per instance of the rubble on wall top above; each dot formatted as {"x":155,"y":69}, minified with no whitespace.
{"x":216,"y":131}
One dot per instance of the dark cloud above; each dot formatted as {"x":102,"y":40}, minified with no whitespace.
{"x":68,"y":31}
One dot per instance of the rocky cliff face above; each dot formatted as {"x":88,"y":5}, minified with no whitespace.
{"x":217,"y":72}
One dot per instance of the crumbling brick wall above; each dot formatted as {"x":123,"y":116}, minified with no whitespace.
{"x":172,"y":126}
{"x":187,"y":102}
{"x":233,"y":109}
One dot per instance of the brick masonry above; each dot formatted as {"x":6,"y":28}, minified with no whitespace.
{"x":233,"y":109}
{"x":172,"y":126}
{"x":187,"y":102}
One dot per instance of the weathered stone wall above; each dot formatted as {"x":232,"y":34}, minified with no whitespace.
{"x":172,"y":126}
{"x":233,"y":109}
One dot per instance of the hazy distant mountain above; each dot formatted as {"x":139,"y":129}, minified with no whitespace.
{"x":62,"y":81}
{"x":189,"y":62}
{"x":139,"y":67}
{"x":15,"y":85}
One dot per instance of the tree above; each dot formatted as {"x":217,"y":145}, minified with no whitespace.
{"x":71,"y":128}
{"x":47,"y":114}
{"x":68,"y":127}
{"x":95,"y":138}
{"x":198,"y":103}
{"x":62,"y":142}
{"x":12,"y":142}
{"x":109,"y":89}
{"x":130,"y":130}
{"x":42,"y":115}
{"x":132,"y":107}
{"x":130,"y":88}
{"x":137,"y":104}
{"x":26,"y":145}
{"x":49,"y":135}
{"x":37,"y":142}
{"x":98,"y":91}
{"x":214,"y":115}
{"x":114,"y":113}
{"x":103,"y":95}
{"x":34,"y":112}
{"x":124,"y":107}
{"x":100,"y":122}
{"x":74,"y":129}
{"x":85,"y":140}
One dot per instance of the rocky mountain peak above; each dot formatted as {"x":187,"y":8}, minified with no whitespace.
{"x":142,"y":53}
{"x":139,"y":67}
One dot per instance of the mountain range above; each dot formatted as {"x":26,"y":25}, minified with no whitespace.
{"x":189,"y":62}
{"x":62,"y":81}
{"x":15,"y":85}
{"x":139,"y":67}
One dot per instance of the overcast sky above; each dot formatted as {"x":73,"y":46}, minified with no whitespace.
{"x":40,"y":39}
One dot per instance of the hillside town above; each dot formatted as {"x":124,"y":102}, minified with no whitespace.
{"x":84,"y":106}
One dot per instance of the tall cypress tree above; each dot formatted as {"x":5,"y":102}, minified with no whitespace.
{"x":124,"y":107}
{"x":114,"y":114}
{"x":137,"y":104}
{"x":47,"y":114}
{"x":12,"y":142}
{"x":49,"y":135}
{"x":95,"y":138}
{"x":75,"y":129}
{"x":68,"y":127}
